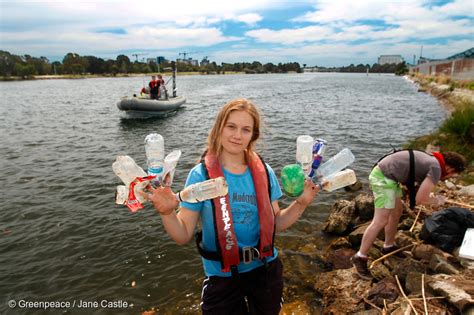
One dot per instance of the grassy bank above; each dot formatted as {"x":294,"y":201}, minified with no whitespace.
{"x":457,"y":131}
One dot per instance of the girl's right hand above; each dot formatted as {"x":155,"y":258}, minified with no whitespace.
{"x":163,"y":199}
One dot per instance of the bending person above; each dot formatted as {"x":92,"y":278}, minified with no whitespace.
{"x":243,"y":273}
{"x":385,"y":180}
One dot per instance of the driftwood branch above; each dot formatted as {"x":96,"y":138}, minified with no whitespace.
{"x":390,"y":254}
{"x":423,"y":293}
{"x":459,"y":203}
{"x":404,"y":295}
{"x":373,"y":305}
{"x":416,"y":219}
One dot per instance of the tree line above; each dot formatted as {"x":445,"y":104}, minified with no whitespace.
{"x":73,"y":64}
{"x":26,"y":66}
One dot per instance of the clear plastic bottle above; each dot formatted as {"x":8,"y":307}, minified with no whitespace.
{"x":335,"y":164}
{"x":304,"y":152}
{"x":155,"y":153}
{"x":208,"y":189}
{"x":126,"y":168}
{"x":340,"y":179}
{"x":169,"y":167}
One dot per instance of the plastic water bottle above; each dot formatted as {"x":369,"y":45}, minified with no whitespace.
{"x":155,"y":153}
{"x":304,"y":152}
{"x":340,"y":179}
{"x":335,"y":164}
{"x":209,"y":189}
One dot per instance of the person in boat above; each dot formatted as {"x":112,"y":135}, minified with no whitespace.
{"x":162,"y":92}
{"x":407,"y":167}
{"x":154,"y":87}
{"x":241,"y":264}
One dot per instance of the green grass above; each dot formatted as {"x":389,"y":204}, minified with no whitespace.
{"x":460,"y":122}
{"x":455,"y":134}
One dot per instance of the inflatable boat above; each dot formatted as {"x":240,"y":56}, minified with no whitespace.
{"x":145,"y":105}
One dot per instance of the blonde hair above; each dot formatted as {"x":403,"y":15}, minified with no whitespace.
{"x":214,"y":142}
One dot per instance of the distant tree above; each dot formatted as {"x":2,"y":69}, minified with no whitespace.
{"x":7,"y":63}
{"x":123,"y":63}
{"x":25,"y":71}
{"x":401,"y":68}
{"x":95,"y":65}
{"x":75,"y":64}
{"x":57,"y":68}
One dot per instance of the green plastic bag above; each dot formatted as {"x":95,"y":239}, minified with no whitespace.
{"x":292,"y":178}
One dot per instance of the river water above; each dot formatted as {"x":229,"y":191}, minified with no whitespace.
{"x":62,"y":239}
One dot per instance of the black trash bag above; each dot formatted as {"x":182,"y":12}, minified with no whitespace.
{"x":446,"y":228}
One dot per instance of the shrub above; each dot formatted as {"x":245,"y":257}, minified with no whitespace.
{"x":460,"y":121}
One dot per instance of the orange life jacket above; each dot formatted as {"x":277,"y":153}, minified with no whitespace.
{"x":229,"y":253}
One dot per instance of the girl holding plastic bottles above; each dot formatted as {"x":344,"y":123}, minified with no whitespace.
{"x":243,"y":271}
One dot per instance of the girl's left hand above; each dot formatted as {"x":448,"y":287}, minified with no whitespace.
{"x":163,"y":199}
{"x":310,"y":191}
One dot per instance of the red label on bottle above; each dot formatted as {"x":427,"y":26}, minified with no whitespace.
{"x":132,"y":202}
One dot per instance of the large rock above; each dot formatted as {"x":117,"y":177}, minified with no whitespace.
{"x":364,"y":206}
{"x":425,"y":252}
{"x":440,"y":264}
{"x":386,"y":291}
{"x":406,"y":266}
{"x":342,"y":291}
{"x":355,"y":238}
{"x":456,"y":289}
{"x":467,"y":190}
{"x":413,"y":283}
{"x":340,"y":258}
{"x":340,"y":218}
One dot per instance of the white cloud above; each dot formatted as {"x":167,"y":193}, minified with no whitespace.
{"x":151,"y":38}
{"x":249,"y":18}
{"x":291,"y":36}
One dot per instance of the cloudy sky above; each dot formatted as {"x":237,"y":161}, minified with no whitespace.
{"x":312,"y":32}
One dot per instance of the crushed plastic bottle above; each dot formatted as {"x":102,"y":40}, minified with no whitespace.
{"x":292,"y":178}
{"x":209,"y":189}
{"x":135,"y":180}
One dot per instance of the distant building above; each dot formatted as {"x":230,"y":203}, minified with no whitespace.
{"x":459,"y":66}
{"x":388,"y":59}
{"x":160,"y":59}
{"x":188,"y":61}
{"x":150,"y":60}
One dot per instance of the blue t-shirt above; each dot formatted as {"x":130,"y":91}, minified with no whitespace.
{"x":243,"y":204}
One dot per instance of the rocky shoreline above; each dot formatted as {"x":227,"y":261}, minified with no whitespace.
{"x":427,"y":281}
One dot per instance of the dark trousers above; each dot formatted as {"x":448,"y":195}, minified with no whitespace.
{"x":255,"y":292}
